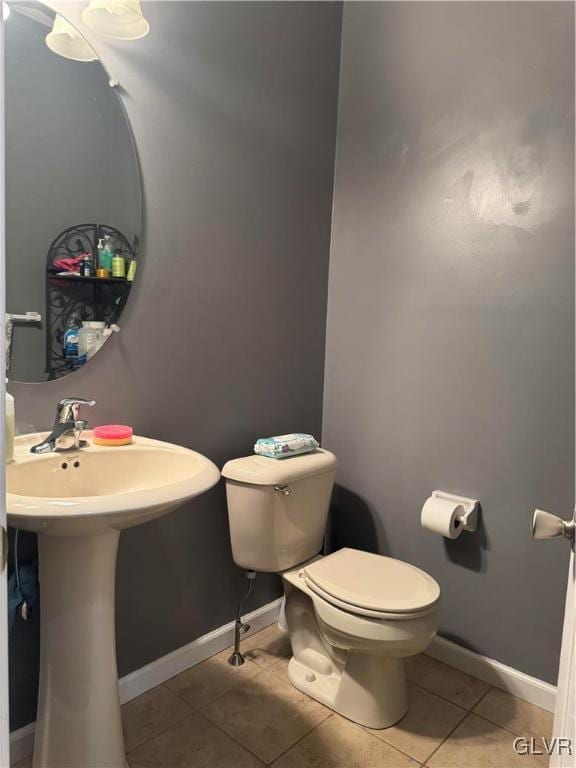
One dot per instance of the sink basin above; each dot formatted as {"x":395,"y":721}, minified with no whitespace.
{"x":78,"y":502}
{"x":98,"y":487}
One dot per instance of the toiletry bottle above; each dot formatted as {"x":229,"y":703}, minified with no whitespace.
{"x":84,"y":339}
{"x":100,"y":268}
{"x":118,"y":265}
{"x":10,"y":426}
{"x":90,"y":336}
{"x":87,"y":266}
{"x":104,"y":257}
{"x":108,"y":253}
{"x":132,"y":270}
{"x":70,"y":342}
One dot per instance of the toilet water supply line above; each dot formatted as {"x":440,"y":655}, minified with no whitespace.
{"x":236,"y":660}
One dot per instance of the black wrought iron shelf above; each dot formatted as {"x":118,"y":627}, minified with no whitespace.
{"x":77,"y":297}
{"x":54,"y":275}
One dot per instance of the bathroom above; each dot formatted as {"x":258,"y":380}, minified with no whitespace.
{"x":351,"y":220}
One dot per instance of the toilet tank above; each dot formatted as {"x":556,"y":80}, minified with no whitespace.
{"x":277,"y":508}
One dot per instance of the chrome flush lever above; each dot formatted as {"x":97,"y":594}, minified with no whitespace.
{"x":548,"y":526}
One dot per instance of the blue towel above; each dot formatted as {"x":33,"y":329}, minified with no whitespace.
{"x":28,"y":590}
{"x":283,"y":446}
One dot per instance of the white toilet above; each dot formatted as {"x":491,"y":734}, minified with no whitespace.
{"x":352,"y":616}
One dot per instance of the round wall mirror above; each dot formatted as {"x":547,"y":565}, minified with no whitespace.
{"x":73,"y":202}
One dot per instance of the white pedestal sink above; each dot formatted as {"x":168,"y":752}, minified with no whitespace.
{"x":78,"y":502}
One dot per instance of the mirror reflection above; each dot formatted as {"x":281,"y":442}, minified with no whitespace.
{"x":73,"y":215}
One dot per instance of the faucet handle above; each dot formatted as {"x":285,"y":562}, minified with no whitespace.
{"x":76,"y":401}
{"x":69,"y":407}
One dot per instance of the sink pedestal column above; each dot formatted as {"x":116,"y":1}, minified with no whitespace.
{"x":78,"y":723}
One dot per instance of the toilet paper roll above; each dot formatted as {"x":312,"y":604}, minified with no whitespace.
{"x":441,"y":516}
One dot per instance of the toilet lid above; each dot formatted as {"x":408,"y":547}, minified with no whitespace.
{"x":373,"y":582}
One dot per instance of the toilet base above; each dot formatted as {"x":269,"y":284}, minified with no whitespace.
{"x":368,"y":689}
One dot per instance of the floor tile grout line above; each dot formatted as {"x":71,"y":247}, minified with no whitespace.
{"x":468,"y":713}
{"x":440,"y":696}
{"x":253,"y":753}
{"x":268,"y":667}
{"x":176,"y":722}
{"x":425,"y":764}
{"x":216,"y":698}
{"x":223,"y":730}
{"x":193,"y":711}
{"x":482,"y":697}
{"x":325,"y":719}
{"x":498,"y":725}
{"x":445,"y":739}
{"x":450,"y":701}
{"x":279,"y":674}
{"x":233,"y":738}
{"x":189,"y":716}
{"x":363,"y":728}
{"x":387,"y":743}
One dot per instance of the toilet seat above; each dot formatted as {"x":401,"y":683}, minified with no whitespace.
{"x":371,"y":585}
{"x":358,"y":611}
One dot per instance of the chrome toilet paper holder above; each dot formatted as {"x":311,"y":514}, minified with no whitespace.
{"x":469,"y":518}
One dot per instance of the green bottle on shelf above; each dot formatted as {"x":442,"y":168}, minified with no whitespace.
{"x":118,"y":265}
{"x":105,"y":254}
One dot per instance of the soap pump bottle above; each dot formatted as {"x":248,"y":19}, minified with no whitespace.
{"x":104,"y":256}
{"x":100,"y":268}
{"x":10,"y":427}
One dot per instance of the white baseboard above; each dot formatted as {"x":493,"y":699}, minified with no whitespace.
{"x":494,"y":672}
{"x":157,"y":672}
{"x":164,"y":668}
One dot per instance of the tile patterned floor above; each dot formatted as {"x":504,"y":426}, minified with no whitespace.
{"x":217,"y":716}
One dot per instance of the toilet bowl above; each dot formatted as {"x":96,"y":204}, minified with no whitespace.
{"x":352,"y":616}
{"x":348,"y":645}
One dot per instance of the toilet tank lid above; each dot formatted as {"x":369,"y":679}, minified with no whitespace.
{"x":261,"y":470}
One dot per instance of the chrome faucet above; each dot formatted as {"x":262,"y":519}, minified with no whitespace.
{"x":67,"y":430}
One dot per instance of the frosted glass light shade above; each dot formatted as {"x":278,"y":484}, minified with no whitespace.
{"x":120,"y":19}
{"x":66,"y":41}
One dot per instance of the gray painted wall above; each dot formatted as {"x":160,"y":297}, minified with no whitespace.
{"x":233,"y":106}
{"x":69,"y":160}
{"x":450,"y":342}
